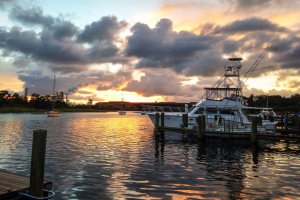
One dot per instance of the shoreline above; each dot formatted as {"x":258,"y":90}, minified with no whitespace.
{"x":41,"y":111}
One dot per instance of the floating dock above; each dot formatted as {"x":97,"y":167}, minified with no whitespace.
{"x":12,"y":184}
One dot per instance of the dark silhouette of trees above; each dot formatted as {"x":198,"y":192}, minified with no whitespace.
{"x":34,"y":101}
{"x":277,"y":102}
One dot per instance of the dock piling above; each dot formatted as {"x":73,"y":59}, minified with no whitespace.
{"x":162,"y":124}
{"x":203,"y":122}
{"x":156,"y":124}
{"x":254,"y":130}
{"x":286,"y":121}
{"x":38,"y":155}
{"x":298,"y":121}
{"x":199,"y":127}
{"x":185,"y":119}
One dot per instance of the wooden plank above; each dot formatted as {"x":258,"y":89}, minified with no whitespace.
{"x":11,"y":184}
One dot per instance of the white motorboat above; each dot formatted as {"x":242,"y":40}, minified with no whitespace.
{"x":53,"y":113}
{"x":223,"y":106}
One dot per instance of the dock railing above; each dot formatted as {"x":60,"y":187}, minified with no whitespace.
{"x":152,"y":108}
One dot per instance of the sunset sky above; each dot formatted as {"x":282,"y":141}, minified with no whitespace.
{"x":146,"y":50}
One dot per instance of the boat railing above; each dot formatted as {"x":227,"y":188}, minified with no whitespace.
{"x":174,"y":109}
{"x":225,"y":125}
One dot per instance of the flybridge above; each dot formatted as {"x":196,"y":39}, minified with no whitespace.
{"x":229,"y":86}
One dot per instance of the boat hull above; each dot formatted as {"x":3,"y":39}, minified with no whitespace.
{"x":53,"y":114}
{"x":122,"y":112}
{"x":172,"y":120}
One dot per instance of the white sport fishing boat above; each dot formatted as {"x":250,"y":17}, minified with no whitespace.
{"x":223,"y":106}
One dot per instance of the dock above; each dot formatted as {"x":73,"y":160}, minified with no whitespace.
{"x":12,"y":184}
{"x":16,"y":186}
{"x":201,"y":131}
{"x":212,"y":134}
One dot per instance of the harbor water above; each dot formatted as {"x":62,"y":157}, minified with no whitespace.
{"x":111,"y":156}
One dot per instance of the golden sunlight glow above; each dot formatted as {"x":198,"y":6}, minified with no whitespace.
{"x":276,"y":80}
{"x":137,"y":75}
{"x":85,"y":93}
{"x":11,"y":82}
{"x":264,"y":83}
{"x":113,"y":68}
{"x":191,"y":81}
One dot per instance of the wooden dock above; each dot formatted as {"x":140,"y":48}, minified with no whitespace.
{"x":201,"y":130}
{"x":11,"y":184}
{"x":260,"y":136}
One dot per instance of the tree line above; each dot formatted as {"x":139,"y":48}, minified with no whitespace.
{"x":277,"y":102}
{"x":34,"y":101}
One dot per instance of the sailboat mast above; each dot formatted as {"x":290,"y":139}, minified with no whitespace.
{"x":53,"y":94}
{"x":53,"y":86}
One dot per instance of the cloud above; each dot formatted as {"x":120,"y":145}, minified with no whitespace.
{"x":4,"y":3}
{"x":163,"y":82}
{"x":107,"y":28}
{"x":255,"y":4}
{"x":249,"y":25}
{"x":161,"y":47}
{"x":33,"y":16}
{"x":60,"y":45}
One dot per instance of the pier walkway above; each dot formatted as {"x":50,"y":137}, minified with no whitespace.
{"x":11,"y":184}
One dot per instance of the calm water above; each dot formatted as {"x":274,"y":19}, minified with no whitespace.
{"x":107,"y":156}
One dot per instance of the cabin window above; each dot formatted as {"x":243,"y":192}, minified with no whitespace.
{"x":211,"y":111}
{"x":227,"y":112}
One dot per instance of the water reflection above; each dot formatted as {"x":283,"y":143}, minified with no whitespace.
{"x":108,"y":156}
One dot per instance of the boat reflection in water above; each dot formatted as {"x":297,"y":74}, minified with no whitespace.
{"x":108,"y":156}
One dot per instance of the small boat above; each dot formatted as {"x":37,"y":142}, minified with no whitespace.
{"x":52,"y":112}
{"x":122,"y":111}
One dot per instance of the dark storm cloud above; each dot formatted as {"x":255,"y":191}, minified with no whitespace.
{"x":248,"y":25}
{"x":33,"y":16}
{"x":201,"y":55}
{"x":290,"y":58}
{"x":60,"y":43}
{"x":162,"y":47}
{"x":107,"y":28}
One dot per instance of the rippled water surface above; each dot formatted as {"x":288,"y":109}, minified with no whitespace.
{"x":107,"y":156}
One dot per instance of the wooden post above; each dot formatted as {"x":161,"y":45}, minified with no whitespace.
{"x":203,"y":123}
{"x":162,"y":125}
{"x":162,"y":119}
{"x":254,"y":130}
{"x":286,"y":120}
{"x":185,"y":120}
{"x":156,"y":124}
{"x":298,"y":121}
{"x":199,"y":127}
{"x":38,"y":155}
